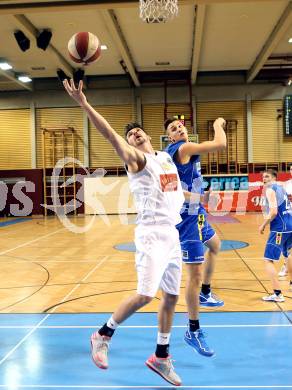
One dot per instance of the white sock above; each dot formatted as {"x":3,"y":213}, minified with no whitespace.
{"x":163,"y":338}
{"x":112,"y":323}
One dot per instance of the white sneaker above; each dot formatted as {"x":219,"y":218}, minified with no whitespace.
{"x":283,"y":271}
{"x":164,"y":368}
{"x":210,"y":300}
{"x":99,"y":349}
{"x":274,"y":298}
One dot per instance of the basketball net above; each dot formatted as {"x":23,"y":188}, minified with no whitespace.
{"x":158,"y":11}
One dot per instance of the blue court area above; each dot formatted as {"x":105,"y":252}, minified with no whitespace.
{"x":13,"y":221}
{"x":226,"y":245}
{"x":52,"y":351}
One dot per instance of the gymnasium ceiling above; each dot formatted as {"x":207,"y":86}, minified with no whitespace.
{"x":209,"y":37}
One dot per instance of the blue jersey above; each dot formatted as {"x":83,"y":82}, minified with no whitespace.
{"x":202,"y":210}
{"x":193,"y":230}
{"x":189,"y":173}
{"x":283,"y":221}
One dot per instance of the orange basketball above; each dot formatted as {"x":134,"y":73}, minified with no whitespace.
{"x":84,"y":47}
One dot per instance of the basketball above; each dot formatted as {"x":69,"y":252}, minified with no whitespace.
{"x":84,"y":47}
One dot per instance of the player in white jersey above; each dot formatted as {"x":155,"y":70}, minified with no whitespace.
{"x":288,"y":188}
{"x":159,"y":197}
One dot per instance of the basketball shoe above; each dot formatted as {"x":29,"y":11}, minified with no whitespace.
{"x":274,"y":298}
{"x":210,"y":300}
{"x":283,"y":271}
{"x":164,"y":368}
{"x":99,"y":349}
{"x":197,"y":341}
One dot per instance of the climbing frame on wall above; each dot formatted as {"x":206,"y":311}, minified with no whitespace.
{"x":225,"y":161}
{"x":59,"y":165}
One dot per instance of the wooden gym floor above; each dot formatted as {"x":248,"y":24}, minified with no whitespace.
{"x":45,"y":267}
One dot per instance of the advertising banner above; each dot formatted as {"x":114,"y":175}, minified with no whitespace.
{"x":238,"y":193}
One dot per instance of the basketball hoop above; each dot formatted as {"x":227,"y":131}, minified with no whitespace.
{"x":158,"y":11}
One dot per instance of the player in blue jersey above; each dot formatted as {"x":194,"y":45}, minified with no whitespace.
{"x":279,"y":217}
{"x":194,"y":229}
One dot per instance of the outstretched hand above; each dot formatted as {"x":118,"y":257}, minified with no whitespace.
{"x":75,"y":93}
{"x":221,"y":122}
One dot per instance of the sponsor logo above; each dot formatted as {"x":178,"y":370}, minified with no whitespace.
{"x":185,"y":255}
{"x":168,"y":182}
{"x":278,"y":238}
{"x":259,"y":200}
{"x":226,"y":183}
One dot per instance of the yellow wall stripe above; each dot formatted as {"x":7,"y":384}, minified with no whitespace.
{"x":102,"y":153}
{"x":59,"y":117}
{"x":15,"y":142}
{"x":232,"y":110}
{"x":269,"y":142}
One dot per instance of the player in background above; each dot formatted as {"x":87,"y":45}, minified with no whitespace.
{"x":288,"y":188}
{"x":279,"y":217}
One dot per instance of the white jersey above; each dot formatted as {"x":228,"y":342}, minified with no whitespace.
{"x":157,"y":191}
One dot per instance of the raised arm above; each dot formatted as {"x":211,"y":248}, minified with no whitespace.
{"x":218,"y":143}
{"x":132,"y":157}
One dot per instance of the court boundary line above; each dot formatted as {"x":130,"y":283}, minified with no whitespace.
{"x":148,"y":312}
{"x":152,"y":387}
{"x":118,"y":259}
{"x":245,"y":262}
{"x":261,"y":283}
{"x":288,"y":325}
{"x":9,"y":353}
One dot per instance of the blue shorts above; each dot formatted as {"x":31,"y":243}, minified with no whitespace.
{"x":194,"y":230}
{"x":207,"y":232}
{"x":278,"y":243}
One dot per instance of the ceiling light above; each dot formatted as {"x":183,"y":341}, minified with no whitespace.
{"x":24,"y":79}
{"x":290,"y":40}
{"x":103,"y":47}
{"x":4,"y":65}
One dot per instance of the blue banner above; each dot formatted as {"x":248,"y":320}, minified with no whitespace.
{"x":226,"y":183}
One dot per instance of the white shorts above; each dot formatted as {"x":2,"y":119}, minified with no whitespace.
{"x":158,"y":259}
